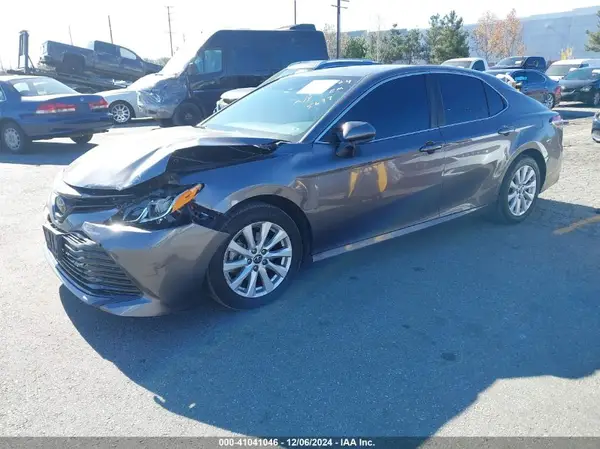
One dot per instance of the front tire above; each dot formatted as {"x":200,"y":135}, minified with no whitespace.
{"x":187,"y":114}
{"x":81,"y":140}
{"x":519,"y":191}
{"x":13,"y":138}
{"x":258,"y":260}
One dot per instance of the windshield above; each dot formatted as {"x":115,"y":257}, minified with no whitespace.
{"x":515,"y":60}
{"x":583,"y":74}
{"x":285,"y":109}
{"x":463,"y":64}
{"x":179,"y":62}
{"x":34,"y":87}
{"x":561,"y":69}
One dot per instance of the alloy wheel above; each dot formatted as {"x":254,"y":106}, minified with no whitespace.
{"x":596,"y":99}
{"x":522,"y":190}
{"x":549,"y":102}
{"x":121,"y":113}
{"x":257,"y":259}
{"x":12,"y":139}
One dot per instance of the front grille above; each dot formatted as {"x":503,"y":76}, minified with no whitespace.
{"x":88,"y":266}
{"x":81,"y":204}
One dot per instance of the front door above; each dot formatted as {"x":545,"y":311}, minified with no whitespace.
{"x":206,"y":78}
{"x":392,"y":182}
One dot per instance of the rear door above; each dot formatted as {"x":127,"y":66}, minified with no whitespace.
{"x":390,"y":182}
{"x":477,"y":140}
{"x":536,"y":85}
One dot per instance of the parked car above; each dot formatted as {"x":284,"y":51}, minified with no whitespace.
{"x":468,"y":63}
{"x":38,"y":108}
{"x":522,"y":62}
{"x":297,"y":67}
{"x":294,"y":173}
{"x":534,"y":84}
{"x":122,"y":103}
{"x":559,"y":69}
{"x":187,"y":89}
{"x":582,"y":85}
{"x":596,"y":127}
{"x":100,"y":57}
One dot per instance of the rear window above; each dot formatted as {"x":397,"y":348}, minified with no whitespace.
{"x":34,"y":87}
{"x":464,"y":98}
{"x":494,"y":100}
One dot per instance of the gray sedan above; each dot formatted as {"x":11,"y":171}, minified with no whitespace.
{"x":305,"y":168}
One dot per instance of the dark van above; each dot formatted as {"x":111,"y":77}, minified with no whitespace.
{"x":188,"y":87}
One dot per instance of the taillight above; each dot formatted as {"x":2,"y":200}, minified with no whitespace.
{"x":557,"y":90}
{"x":55,"y":108}
{"x":100,"y":104}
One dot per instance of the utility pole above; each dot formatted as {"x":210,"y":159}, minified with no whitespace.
{"x":295,"y":12}
{"x":70,"y":36}
{"x":110,"y":30}
{"x":170,"y":32}
{"x":338,"y":34}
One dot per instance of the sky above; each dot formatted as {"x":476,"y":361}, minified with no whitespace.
{"x":142,"y":25}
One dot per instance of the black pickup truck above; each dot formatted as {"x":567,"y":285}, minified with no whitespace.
{"x":100,"y":57}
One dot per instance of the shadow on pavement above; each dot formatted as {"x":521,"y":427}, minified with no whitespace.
{"x":136,"y":123}
{"x":571,"y":114}
{"x":47,"y":153}
{"x":394,"y":339}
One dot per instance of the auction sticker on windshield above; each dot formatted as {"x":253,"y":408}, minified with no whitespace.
{"x":317,"y":87}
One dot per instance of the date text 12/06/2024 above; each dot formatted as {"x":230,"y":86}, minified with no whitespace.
{"x":296,"y":442}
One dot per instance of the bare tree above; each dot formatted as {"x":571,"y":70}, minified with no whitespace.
{"x":511,"y":35}
{"x":331,"y":40}
{"x":486,"y":36}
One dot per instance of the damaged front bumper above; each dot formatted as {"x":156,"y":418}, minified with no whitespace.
{"x":129,"y":271}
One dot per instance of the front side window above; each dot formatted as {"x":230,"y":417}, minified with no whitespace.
{"x":127,"y":54}
{"x":209,"y":61}
{"x":2,"y":96}
{"x":284,"y":109}
{"x":33,"y":87}
{"x":397,"y":107}
{"x":463,"y":98}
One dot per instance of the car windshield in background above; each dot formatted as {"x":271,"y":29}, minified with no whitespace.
{"x":180,"y":61}
{"x":285,"y":109}
{"x":583,"y":74}
{"x":463,"y":64}
{"x":560,"y":70}
{"x":34,"y":87}
{"x":510,"y":61}
{"x":283,"y":73}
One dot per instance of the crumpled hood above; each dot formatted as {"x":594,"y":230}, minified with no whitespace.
{"x":132,"y":160}
{"x":232,"y":95}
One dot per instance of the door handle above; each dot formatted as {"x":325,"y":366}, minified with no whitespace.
{"x":507,"y":130}
{"x":431,"y":147}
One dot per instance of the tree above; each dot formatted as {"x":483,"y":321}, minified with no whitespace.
{"x":446,"y":38}
{"x":331,"y":40}
{"x":566,"y":53}
{"x":160,"y":61}
{"x":511,"y":36}
{"x":593,"y":43}
{"x":486,"y":36}
{"x":356,"y":47}
{"x":412,"y":47}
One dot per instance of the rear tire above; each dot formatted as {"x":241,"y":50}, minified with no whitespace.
{"x":13,"y":139}
{"x":519,"y":192}
{"x":165,"y":122}
{"x":187,"y":114}
{"x":122,"y":112}
{"x":550,"y":101}
{"x":81,"y":140}
{"x":264,"y":276}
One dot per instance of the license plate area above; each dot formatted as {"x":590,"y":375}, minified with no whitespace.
{"x":54,"y":241}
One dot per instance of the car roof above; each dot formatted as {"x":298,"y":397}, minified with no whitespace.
{"x":18,"y":77}
{"x":465,"y":59}
{"x":324,"y":63}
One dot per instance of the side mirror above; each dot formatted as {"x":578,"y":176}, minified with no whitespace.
{"x":191,"y":69}
{"x":352,"y":133}
{"x":518,"y":86}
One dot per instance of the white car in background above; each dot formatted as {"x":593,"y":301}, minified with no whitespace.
{"x":560,"y":69}
{"x":122,"y":103}
{"x":478,"y":64}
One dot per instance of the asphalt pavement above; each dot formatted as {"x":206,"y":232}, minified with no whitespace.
{"x":469,"y":328}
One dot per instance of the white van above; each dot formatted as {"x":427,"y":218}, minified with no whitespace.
{"x":559,"y":69}
{"x":468,"y":63}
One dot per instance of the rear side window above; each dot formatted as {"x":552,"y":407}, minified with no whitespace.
{"x":479,"y":66}
{"x":494,"y":100}
{"x":463,"y":98}
{"x":103,"y":47}
{"x":397,"y":107}
{"x":127,"y":54}
{"x":535,"y":77}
